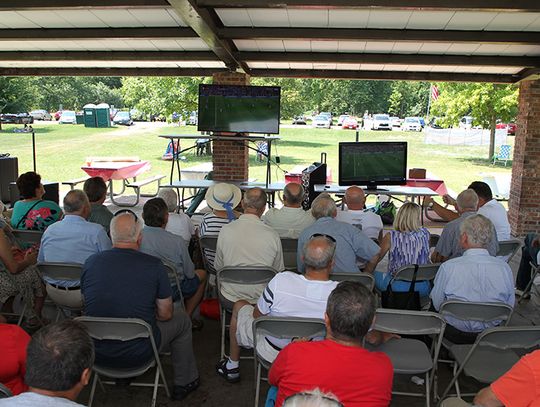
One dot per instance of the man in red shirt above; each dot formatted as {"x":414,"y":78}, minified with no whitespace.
{"x":13,"y":342}
{"x":339,"y":364}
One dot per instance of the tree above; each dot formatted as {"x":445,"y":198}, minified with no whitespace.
{"x":17,"y":94}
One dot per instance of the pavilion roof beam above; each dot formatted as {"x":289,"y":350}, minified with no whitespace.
{"x":358,"y":34}
{"x":110,"y":71}
{"x":529,"y":74}
{"x":108,"y":56}
{"x":14,"y":5}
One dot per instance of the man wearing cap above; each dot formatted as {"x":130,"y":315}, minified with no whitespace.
{"x":248,"y":242}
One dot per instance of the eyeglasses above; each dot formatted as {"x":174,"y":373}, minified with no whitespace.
{"x":323,"y":235}
{"x":335,"y":403}
{"x":121,"y":211}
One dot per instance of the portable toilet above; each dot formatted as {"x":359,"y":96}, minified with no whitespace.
{"x":103,"y":115}
{"x":89,"y":112}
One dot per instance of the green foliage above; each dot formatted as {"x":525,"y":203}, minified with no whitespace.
{"x":17,"y":94}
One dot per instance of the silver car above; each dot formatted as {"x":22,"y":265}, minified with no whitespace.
{"x":40,"y":115}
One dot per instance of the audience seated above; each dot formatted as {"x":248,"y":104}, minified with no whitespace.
{"x":339,"y":364}
{"x":172,"y":250}
{"x":179,"y":223}
{"x":72,"y":240}
{"x":222,"y":198}
{"x":352,"y":244}
{"x":248,"y":242}
{"x":529,"y":253}
{"x":407,"y":244}
{"x":96,"y":190}
{"x":59,"y":366}
{"x":291,"y":219}
{"x":520,"y":386}
{"x":13,"y":342}
{"x":449,"y":245}
{"x":125,"y":283}
{"x":476,"y":276}
{"x":32,"y":212}
{"x":287,"y":295}
{"x":313,"y":398}
{"x":367,"y":221}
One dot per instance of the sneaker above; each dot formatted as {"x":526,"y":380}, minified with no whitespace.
{"x":181,"y":392}
{"x":231,"y":375}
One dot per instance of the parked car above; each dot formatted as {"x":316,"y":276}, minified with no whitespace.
{"x":322,"y":122}
{"x":395,"y":121}
{"x":377,"y":122}
{"x":67,"y":117}
{"x":328,"y":115}
{"x":342,"y":118}
{"x":510,"y":127}
{"x":137,"y":115}
{"x":411,"y":124}
{"x":16,"y":118}
{"x":350,"y":123}
{"x":299,"y":120}
{"x":123,"y":118}
{"x":40,"y":115}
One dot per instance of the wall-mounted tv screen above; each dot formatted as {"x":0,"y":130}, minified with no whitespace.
{"x":373,"y":163}
{"x":239,"y":109}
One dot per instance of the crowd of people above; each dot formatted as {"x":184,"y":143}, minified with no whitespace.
{"x":143,"y":267}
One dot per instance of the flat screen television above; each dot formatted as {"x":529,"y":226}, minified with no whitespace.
{"x":239,"y":109}
{"x":373,"y":163}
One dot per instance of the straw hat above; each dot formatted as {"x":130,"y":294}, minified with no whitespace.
{"x":223,"y":192}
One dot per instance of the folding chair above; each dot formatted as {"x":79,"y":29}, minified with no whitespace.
{"x":281,"y":328}
{"x":290,"y":247}
{"x":124,"y":329}
{"x":412,"y":356}
{"x":28,"y":236}
{"x":26,"y":302}
{"x":241,"y":275}
{"x":527,"y":291}
{"x":66,"y":272}
{"x":493,"y":353}
{"x":433,"y":239}
{"x":363,"y":278}
{"x":426,"y":272}
{"x":503,"y":154}
{"x":5,"y":392}
{"x":175,"y":281}
{"x":207,"y":243}
{"x":455,"y":402}
{"x":508,"y":248}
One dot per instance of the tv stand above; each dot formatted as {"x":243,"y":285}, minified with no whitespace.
{"x":373,"y":188}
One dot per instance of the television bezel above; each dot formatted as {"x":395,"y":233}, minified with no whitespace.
{"x":201,"y":85}
{"x":372,"y":184}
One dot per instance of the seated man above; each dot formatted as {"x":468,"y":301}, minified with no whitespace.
{"x":288,"y":295}
{"x":248,"y":242}
{"x":529,"y":253}
{"x":59,"y":365}
{"x":292,"y":219}
{"x":172,"y":250}
{"x":179,"y":223}
{"x":125,"y":283}
{"x":476,"y":276}
{"x":367,"y":221}
{"x":339,"y":364}
{"x":352,"y":244}
{"x":72,"y":240}
{"x":449,"y":245}
{"x":96,"y":190}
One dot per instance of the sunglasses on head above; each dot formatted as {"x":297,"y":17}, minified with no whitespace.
{"x":121,"y":211}
{"x":323,"y":235}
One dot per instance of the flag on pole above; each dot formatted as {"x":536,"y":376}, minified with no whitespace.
{"x":434,"y":92}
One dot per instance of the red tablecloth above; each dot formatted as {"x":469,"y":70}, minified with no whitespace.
{"x":116,"y":169}
{"x":433,"y":184}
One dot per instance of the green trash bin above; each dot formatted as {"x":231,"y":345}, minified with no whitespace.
{"x":103,"y":115}
{"x":89,"y":112}
{"x":79,"y":117}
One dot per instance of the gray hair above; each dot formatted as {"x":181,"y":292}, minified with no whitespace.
{"x":170,"y":197}
{"x":313,"y":398}
{"x":255,"y":198}
{"x":292,"y":197}
{"x":479,"y":230}
{"x":323,"y":206}
{"x":75,"y":201}
{"x":467,"y":200}
{"x":316,"y":257}
{"x":125,"y":234}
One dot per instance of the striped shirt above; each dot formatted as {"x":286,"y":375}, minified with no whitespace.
{"x":408,"y":248}
{"x":211,"y":226}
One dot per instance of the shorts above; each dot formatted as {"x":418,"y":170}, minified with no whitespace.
{"x":244,"y":335}
{"x":188,"y":286}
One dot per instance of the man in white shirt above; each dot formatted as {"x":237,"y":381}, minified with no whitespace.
{"x":476,"y":276}
{"x":248,"y":242}
{"x":367,"y":221}
{"x":291,"y":219}
{"x":492,"y":209}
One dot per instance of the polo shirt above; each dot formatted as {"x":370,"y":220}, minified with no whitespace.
{"x":367,"y":221}
{"x":496,"y":213}
{"x":351,"y":244}
{"x":476,"y":277}
{"x":101,"y":215}
{"x":288,"y":222}
{"x":30,"y":399}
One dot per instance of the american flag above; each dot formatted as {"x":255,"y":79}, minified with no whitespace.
{"x":434,"y":92}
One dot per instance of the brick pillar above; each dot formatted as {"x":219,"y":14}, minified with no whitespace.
{"x":230,"y":159}
{"x":524,"y":204}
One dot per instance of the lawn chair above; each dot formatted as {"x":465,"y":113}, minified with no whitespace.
{"x":281,"y":328}
{"x":63,"y":299}
{"x":508,"y":248}
{"x":365,"y":279}
{"x":290,"y":247}
{"x":503,"y":154}
{"x":124,"y":329}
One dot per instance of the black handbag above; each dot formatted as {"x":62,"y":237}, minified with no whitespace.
{"x":408,"y":300}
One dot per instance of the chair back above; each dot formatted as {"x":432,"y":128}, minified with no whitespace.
{"x":509,"y":248}
{"x":433,"y":239}
{"x":504,"y":152}
{"x":409,"y":322}
{"x":28,"y":236}
{"x":208,"y":242}
{"x":5,"y":392}
{"x":510,"y":337}
{"x":426,"y":272}
{"x":172,"y":274}
{"x":290,"y":247}
{"x":248,"y":275}
{"x":61,"y":271}
{"x":476,"y":311}
{"x":117,"y":329}
{"x":363,"y":278}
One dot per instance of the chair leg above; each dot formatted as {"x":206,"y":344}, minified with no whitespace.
{"x":93,"y":390}
{"x":223,"y":316}
{"x":160,"y":370}
{"x":257,"y":382}
{"x":428,"y":391}
{"x":156,"y":384}
{"x":456,"y":384}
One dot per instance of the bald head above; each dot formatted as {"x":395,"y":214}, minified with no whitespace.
{"x":126,"y":230}
{"x":355,"y":198}
{"x":76,"y":203}
{"x":293,"y":194}
{"x":254,"y":201}
{"x":318,"y":254}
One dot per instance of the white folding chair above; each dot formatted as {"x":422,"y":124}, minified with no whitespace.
{"x":290,"y":247}
{"x":70,"y":272}
{"x":365,"y":279}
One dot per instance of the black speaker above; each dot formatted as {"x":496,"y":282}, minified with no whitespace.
{"x":52,"y":192}
{"x":9,"y":172}
{"x":314,"y":174}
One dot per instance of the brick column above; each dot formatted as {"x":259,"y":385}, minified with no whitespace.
{"x":230,"y":159}
{"x":524,"y":204}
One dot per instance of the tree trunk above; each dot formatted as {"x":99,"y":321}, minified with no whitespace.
{"x":492,"y":126}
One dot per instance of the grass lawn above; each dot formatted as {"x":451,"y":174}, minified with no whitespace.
{"x":62,"y":149}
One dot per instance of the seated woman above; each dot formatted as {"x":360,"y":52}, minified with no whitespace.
{"x":13,"y":342}
{"x":32,"y":212}
{"x":407,"y":244}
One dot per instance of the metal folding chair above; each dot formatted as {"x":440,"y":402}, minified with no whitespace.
{"x":124,"y":329}
{"x":241,"y":275}
{"x":527,"y":291}
{"x":207,"y":243}
{"x":5,"y":392}
{"x":412,"y":356}
{"x":508,"y":248}
{"x":281,"y":328}
{"x":363,"y":278}
{"x":455,"y":402}
{"x":290,"y":247}
{"x":426,"y":272}
{"x":28,"y":236}
{"x":175,"y":281}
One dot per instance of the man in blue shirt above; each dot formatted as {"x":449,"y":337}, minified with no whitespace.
{"x":125,"y":283}
{"x":351,"y":243}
